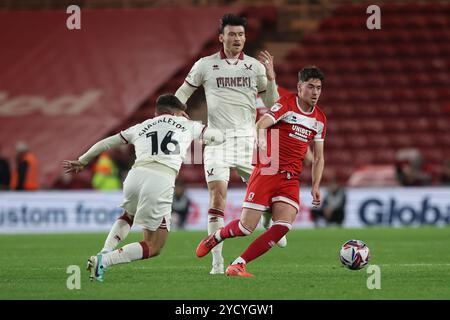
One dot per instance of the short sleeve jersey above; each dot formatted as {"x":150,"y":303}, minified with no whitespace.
{"x":231,"y":88}
{"x":295,"y":131}
{"x":164,"y":139}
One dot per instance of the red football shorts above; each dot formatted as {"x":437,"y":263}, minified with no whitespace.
{"x":264,"y":190}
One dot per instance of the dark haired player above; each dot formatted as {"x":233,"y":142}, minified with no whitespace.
{"x":298,"y":122}
{"x":160,"y":145}
{"x":231,"y":80}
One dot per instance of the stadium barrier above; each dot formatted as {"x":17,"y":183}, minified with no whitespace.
{"x":88,"y":211}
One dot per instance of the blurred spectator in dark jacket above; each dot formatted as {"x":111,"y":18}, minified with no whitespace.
{"x":5,"y":172}
{"x":25,"y":175}
{"x":409,"y":168}
{"x":445,"y":177}
{"x":333,"y":207}
{"x":180,"y":204}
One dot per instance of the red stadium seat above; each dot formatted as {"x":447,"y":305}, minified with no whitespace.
{"x":378,"y":141}
{"x":394,"y":124}
{"x":339,"y":156}
{"x":358,"y":140}
{"x":384,"y":155}
{"x":402,"y":140}
{"x":371,"y":125}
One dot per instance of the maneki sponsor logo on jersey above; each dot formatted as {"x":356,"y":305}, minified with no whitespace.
{"x":234,"y":82}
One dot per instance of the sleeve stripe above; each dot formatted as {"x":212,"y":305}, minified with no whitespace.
{"x":190,"y":84}
{"x":261,"y":91}
{"x":121,"y":135}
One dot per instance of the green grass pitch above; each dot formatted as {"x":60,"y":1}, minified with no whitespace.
{"x":414,"y":263}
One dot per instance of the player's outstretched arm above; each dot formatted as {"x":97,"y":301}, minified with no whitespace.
{"x":265,"y":122}
{"x":103,"y":145}
{"x":317,"y":170}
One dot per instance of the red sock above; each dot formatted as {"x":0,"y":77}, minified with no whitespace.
{"x":145,"y":250}
{"x":127,"y":219}
{"x":234,"y":229}
{"x":264,"y":242}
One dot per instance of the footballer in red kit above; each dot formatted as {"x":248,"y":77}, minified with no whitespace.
{"x":293,"y":130}
{"x":292,"y":124}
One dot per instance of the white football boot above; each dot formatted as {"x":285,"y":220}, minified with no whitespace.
{"x":217,"y":264}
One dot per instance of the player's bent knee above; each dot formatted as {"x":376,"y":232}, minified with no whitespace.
{"x":154,"y":248}
{"x":218,"y":194}
{"x":250,"y":218}
{"x":248,"y":228}
{"x":218,"y":201}
{"x":155,"y":253}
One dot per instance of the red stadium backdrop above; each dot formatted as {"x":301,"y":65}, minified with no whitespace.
{"x":62,"y":90}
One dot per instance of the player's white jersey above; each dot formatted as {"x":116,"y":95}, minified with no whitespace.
{"x":231,"y":87}
{"x":164,"y":139}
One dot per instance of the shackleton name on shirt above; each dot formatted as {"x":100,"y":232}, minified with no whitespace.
{"x":225,"y":82}
{"x":167,"y":120}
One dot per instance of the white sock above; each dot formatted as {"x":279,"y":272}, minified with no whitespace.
{"x":128,"y":253}
{"x":217,"y":235}
{"x":239,"y":260}
{"x":266,"y":219}
{"x":119,"y":231}
{"x":212,"y":228}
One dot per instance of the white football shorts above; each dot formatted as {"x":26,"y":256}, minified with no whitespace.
{"x":235,"y":152}
{"x":148,"y":194}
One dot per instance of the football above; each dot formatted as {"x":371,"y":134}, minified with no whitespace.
{"x":354,"y":254}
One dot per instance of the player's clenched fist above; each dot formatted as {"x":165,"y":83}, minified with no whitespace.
{"x":315,"y":192}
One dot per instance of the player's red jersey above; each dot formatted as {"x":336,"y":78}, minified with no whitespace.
{"x":296,"y":130}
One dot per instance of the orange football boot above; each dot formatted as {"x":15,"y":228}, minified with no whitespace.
{"x":206,"y":245}
{"x":238,"y":270}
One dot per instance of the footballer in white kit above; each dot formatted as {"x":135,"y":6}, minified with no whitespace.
{"x":160,"y":145}
{"x":232,"y":80}
{"x":231,"y":90}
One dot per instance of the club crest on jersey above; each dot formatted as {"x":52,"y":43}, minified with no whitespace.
{"x":314,"y":126}
{"x":251,"y":195}
{"x":248,"y":67}
{"x":276,"y":107}
{"x":215,"y":67}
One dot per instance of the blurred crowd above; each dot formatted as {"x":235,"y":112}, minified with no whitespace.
{"x":110,"y":169}
{"x":412,"y":171}
{"x":24,"y":174}
{"x":106,"y":173}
